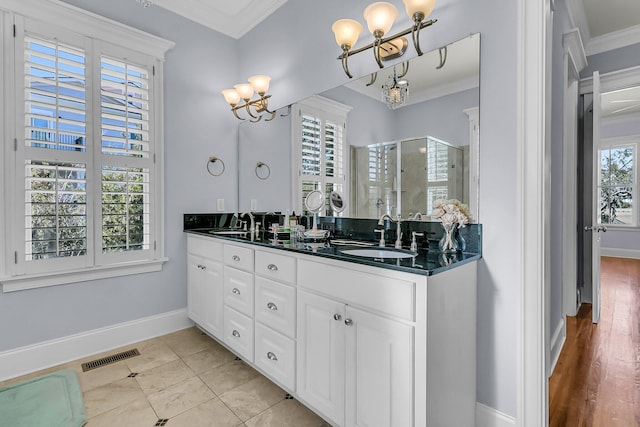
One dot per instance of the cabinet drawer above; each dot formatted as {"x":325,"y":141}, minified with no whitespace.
{"x":381,"y":293}
{"x":276,"y":355}
{"x":276,"y":305}
{"x":275,"y":266}
{"x":238,"y":257}
{"x":204,"y":247}
{"x":238,"y":290}
{"x":238,"y":333}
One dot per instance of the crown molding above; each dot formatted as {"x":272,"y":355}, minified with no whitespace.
{"x":614,"y":80}
{"x":578,"y":17}
{"x":575,"y":49}
{"x":613,"y":40}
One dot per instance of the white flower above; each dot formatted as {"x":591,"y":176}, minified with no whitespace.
{"x":451,"y":212}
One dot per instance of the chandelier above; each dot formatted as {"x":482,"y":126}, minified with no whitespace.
{"x":255,"y":108}
{"x":380,"y":17}
{"x":394,"y":91}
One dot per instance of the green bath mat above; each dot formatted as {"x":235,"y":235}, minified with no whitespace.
{"x":53,"y":400}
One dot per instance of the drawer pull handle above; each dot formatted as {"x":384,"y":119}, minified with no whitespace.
{"x":348,"y":322}
{"x":337,"y":316}
{"x":272,"y":267}
{"x":235,"y":258}
{"x":272,"y":306}
{"x":271,"y":356}
{"x":235,"y":291}
{"x":235,"y":333}
{"x":201,"y":267}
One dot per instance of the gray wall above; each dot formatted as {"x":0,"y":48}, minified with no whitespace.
{"x":296,"y":47}
{"x":197,"y":125}
{"x":303,"y":62}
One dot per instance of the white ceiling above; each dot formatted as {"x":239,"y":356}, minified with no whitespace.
{"x":231,"y":17}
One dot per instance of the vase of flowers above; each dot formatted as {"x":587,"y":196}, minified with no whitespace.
{"x":453,"y":215}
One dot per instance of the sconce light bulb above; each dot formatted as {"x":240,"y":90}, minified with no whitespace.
{"x":231,"y":96}
{"x":260,"y":83}
{"x":245,"y":90}
{"x":346,"y":32}
{"x":419,"y":9}
{"x":380,"y":17}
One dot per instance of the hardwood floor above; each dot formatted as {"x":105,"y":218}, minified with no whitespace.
{"x":597,"y":379}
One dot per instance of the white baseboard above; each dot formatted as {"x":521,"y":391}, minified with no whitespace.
{"x":557,"y":342}
{"x":24,"y":360}
{"x":489,"y":417}
{"x":620,"y":253}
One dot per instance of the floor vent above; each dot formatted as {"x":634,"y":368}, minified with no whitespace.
{"x":109,"y":359}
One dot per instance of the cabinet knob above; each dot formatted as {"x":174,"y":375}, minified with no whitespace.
{"x":272,"y":306}
{"x":271,"y":356}
{"x":348,"y":322}
{"x":272,"y":267}
{"x":235,"y":291}
{"x":235,"y":333}
{"x":337,"y":316}
{"x":235,"y":258}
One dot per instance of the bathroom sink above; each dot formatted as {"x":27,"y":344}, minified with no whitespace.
{"x":379,"y":253}
{"x":229,"y":232}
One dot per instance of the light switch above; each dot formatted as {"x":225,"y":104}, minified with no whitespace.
{"x":220,"y":205}
{"x":254,"y":204}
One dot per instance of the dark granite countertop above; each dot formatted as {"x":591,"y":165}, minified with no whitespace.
{"x":427,"y":262}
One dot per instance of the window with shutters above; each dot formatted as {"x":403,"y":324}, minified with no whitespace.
{"x":86,"y":146}
{"x":320,"y":146}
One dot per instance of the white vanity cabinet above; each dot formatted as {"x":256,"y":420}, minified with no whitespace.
{"x":204,"y":283}
{"x":354,"y":366}
{"x":360,"y":345}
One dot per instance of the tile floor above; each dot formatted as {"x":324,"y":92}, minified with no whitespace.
{"x":183,"y":379}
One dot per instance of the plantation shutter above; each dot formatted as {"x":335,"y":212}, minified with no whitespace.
{"x":322,"y":153}
{"x":55,"y":188}
{"x":125,"y":149}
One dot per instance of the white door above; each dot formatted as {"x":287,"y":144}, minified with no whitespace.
{"x":320,"y":355}
{"x":379,"y":388}
{"x":595,"y":228}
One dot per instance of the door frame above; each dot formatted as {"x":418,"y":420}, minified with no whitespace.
{"x":575,"y":60}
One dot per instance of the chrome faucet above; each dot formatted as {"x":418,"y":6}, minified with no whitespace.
{"x":252,"y":219}
{"x":398,"y":222}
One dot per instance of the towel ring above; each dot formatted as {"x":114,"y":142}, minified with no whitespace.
{"x":263,"y":171}
{"x":212,"y":168}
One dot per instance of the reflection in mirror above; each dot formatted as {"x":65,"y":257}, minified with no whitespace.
{"x":441,"y":105}
{"x":336,"y":202}
{"x":385,"y":176}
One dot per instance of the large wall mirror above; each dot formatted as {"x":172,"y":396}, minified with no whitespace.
{"x":431,"y":141}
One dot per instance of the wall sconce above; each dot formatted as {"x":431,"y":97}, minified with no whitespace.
{"x":380,"y":17}
{"x":258,"y":84}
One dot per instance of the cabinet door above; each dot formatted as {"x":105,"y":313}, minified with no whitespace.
{"x":195,"y":288}
{"x":212,"y":298}
{"x":320,"y":355}
{"x":379,"y":369}
{"x":204,"y":293}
